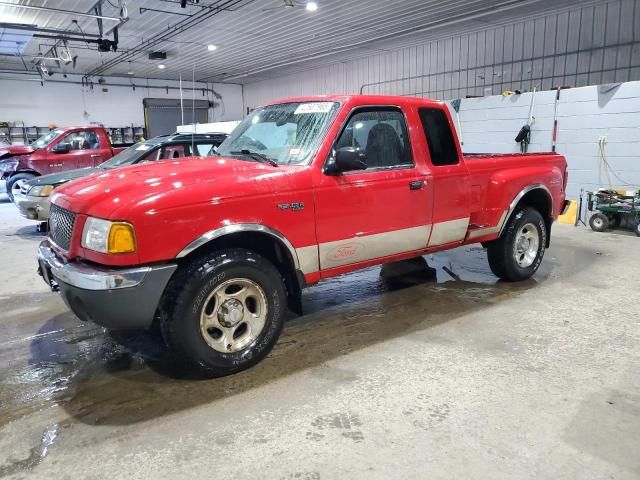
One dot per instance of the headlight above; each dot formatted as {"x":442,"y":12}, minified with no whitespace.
{"x":8,"y":165}
{"x":108,"y":237}
{"x":40,"y":190}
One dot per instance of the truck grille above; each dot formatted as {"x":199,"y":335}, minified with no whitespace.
{"x":61,"y":223}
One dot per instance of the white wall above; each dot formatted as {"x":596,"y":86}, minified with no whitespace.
{"x":490,"y":124}
{"x":587,"y":45}
{"x":71,"y":104}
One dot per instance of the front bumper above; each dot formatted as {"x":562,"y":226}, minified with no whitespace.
{"x":33,"y":208}
{"x":119,"y":299}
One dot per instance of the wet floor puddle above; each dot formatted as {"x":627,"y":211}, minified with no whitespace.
{"x":94,"y":377}
{"x":102,"y":377}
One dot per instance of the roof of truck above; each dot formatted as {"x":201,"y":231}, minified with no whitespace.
{"x":364,"y":99}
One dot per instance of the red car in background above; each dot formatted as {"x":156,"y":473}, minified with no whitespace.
{"x":61,"y":149}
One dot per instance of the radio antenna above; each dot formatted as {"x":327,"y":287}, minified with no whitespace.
{"x":193,"y":108}
{"x":181,"y":104}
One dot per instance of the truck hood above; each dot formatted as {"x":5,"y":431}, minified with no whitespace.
{"x":169,"y":184}
{"x":57,"y":179}
{"x":12,"y":150}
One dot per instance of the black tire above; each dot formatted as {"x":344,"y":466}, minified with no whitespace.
{"x":615,"y":219}
{"x":636,"y":227}
{"x":15,"y":180}
{"x":186,"y":298}
{"x":502,"y":252}
{"x":599,"y":222}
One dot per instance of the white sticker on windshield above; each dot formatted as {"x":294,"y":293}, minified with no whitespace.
{"x":58,"y":132}
{"x":143,"y":147}
{"x":317,"y":107}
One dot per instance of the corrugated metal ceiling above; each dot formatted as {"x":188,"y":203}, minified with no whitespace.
{"x":254,"y":36}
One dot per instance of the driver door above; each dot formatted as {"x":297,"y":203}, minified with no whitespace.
{"x":80,"y":154}
{"x":385,"y":210}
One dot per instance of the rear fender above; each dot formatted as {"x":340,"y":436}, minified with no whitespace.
{"x":507,"y":188}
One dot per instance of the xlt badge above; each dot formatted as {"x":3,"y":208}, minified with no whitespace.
{"x":293,"y":206}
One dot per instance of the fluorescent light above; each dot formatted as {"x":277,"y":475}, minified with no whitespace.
{"x":161,"y":66}
{"x":211,"y":48}
{"x":129,"y":72}
{"x":312,"y":6}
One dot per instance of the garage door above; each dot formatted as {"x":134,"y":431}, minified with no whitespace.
{"x":162,"y":116}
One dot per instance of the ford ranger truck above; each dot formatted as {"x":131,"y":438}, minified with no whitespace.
{"x":216,"y":250}
{"x":59,"y":150}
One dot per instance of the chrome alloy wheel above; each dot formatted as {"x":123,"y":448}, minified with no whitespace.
{"x":526,"y":245}
{"x":233,"y":315}
{"x":17,"y":186}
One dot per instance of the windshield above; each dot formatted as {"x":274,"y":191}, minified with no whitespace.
{"x":287,"y":133}
{"x":128,"y":156}
{"x":46,"y":139}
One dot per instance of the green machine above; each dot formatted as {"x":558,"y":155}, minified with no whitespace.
{"x":611,"y":207}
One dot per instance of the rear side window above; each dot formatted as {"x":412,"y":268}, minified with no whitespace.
{"x":174,"y":151}
{"x":442,"y":145}
{"x":206,"y":149}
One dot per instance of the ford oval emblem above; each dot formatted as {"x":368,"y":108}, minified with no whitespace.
{"x":345,"y":251}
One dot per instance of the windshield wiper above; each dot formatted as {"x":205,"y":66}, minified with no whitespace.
{"x":258,"y":157}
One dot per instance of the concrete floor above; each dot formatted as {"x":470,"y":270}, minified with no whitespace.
{"x":436,"y":373}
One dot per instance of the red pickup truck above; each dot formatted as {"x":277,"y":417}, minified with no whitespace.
{"x":61,"y":149}
{"x":216,"y":249}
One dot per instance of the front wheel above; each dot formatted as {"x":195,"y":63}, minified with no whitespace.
{"x":225,"y":311}
{"x":15,"y":183}
{"x":599,"y":222}
{"x":517,"y":254}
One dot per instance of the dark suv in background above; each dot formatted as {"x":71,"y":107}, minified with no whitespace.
{"x":33,"y":198}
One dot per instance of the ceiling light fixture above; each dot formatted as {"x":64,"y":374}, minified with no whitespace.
{"x":311,"y":6}
{"x":129,"y":72}
{"x":212,"y":48}
{"x":161,"y":66}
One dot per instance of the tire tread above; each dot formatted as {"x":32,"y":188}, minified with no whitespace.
{"x":178,"y":295}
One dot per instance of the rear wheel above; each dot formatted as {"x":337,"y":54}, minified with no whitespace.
{"x":15,"y":183}
{"x":224,"y":311}
{"x":599,"y":222}
{"x":517,"y":254}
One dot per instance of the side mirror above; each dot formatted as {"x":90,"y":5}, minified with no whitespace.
{"x":62,"y":147}
{"x":346,"y":159}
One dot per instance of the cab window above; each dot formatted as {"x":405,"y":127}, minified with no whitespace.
{"x":82,"y":140}
{"x":381,"y":133}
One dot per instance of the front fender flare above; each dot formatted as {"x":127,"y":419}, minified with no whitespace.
{"x":238,"y":228}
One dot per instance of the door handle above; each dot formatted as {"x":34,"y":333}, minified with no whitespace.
{"x":94,"y":155}
{"x":416,"y":184}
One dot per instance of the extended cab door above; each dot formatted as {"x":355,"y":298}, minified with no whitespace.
{"x":451,"y":183}
{"x":382,"y":211}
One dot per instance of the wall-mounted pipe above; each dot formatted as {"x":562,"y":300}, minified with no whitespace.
{"x":36,"y":78}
